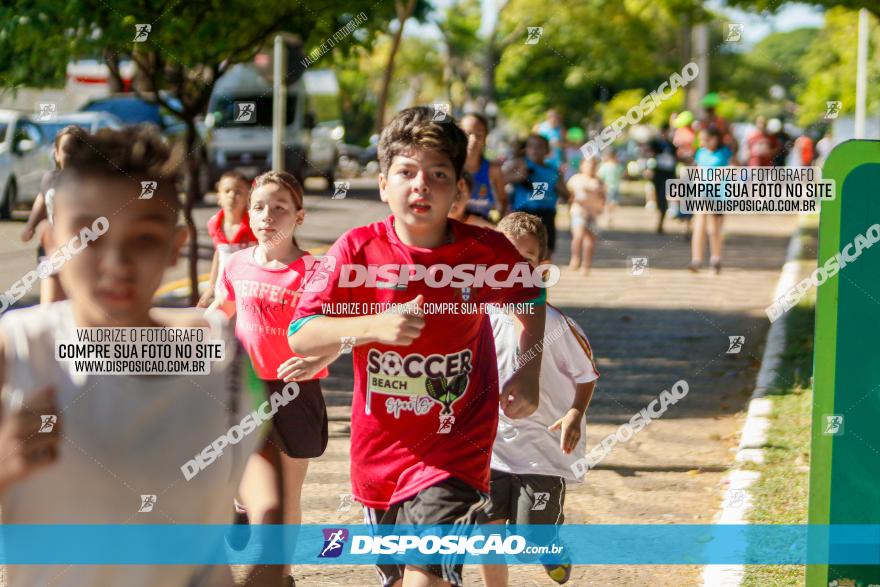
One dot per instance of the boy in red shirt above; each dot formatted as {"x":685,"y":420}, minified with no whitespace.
{"x":229,"y":229}
{"x":425,"y":408}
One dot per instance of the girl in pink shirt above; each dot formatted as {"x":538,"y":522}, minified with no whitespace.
{"x":261,"y":286}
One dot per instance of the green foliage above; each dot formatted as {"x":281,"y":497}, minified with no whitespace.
{"x":620,"y":104}
{"x":774,"y":5}
{"x":189,"y":46}
{"x":463,"y":58}
{"x":587,"y":49}
{"x":828,"y":69}
{"x":417,"y":76}
{"x":623,"y":101}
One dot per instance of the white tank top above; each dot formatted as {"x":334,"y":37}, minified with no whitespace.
{"x":124,"y":437}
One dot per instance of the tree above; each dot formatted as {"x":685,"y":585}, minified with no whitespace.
{"x":404,"y":10}
{"x":586,"y":52}
{"x":774,"y":5}
{"x":418,"y":68}
{"x":460,"y":27}
{"x":828,"y":67}
{"x":188,"y":47}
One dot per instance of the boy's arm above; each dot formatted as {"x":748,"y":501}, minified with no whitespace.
{"x":514,"y":171}
{"x":224,"y":305}
{"x":319,"y":335}
{"x":206,"y":298}
{"x":519,"y":396}
{"x":562,"y":190}
{"x":496,"y":177}
{"x":570,"y":423}
{"x":37,"y":213}
{"x":576,"y":354}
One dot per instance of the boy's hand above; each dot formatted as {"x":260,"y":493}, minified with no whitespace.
{"x":519,"y":395}
{"x":27,"y":234}
{"x":515,"y":170}
{"x":570,"y":424}
{"x":300,"y":368}
{"x":23,"y":448}
{"x":206,"y":298}
{"x":400,"y":328}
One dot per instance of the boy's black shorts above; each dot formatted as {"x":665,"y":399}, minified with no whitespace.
{"x":301,"y":427}
{"x":449,"y":502}
{"x":525,"y":499}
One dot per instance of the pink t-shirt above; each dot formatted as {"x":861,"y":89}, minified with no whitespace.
{"x":265,"y":301}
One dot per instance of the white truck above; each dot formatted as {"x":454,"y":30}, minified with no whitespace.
{"x":239,"y":120}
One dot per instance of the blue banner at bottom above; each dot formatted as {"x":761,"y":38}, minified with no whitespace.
{"x":358,"y":544}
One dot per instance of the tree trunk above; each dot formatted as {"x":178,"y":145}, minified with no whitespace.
{"x":491,"y":60}
{"x":192,"y":195}
{"x":403,"y":13}
{"x":114,"y":80}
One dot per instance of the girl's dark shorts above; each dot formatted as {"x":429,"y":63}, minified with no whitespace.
{"x":300,"y":427}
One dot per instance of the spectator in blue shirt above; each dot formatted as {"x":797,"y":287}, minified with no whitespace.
{"x":712,"y":153}
{"x":537,"y":186}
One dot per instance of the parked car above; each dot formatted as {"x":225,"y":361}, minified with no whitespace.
{"x":24,"y":158}
{"x":129,"y":109}
{"x":90,"y":121}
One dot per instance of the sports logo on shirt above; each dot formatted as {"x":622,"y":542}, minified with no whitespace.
{"x":423,"y":381}
{"x":466,"y":293}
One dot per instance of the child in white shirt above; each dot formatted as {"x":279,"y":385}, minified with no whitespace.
{"x":532,"y":457}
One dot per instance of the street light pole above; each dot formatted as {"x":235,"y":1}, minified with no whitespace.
{"x":862,"y":74}
{"x":700,"y":49}
{"x":279,"y":104}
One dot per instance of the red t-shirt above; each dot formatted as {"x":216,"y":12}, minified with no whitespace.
{"x":429,"y":411}
{"x":244,"y":236}
{"x":762,"y":148}
{"x":265,"y":300}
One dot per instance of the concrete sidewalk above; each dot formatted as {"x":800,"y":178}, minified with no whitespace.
{"x":648,"y":332}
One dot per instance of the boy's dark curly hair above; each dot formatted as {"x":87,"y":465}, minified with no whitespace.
{"x":415,"y":128}
{"x":137,"y":153}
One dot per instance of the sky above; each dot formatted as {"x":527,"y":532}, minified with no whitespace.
{"x":755,"y":27}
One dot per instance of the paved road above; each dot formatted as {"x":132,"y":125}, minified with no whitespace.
{"x":647,"y":331}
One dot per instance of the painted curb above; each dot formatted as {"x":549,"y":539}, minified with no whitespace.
{"x":737,"y":498}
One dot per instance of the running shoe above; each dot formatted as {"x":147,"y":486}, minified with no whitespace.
{"x":559,"y":572}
